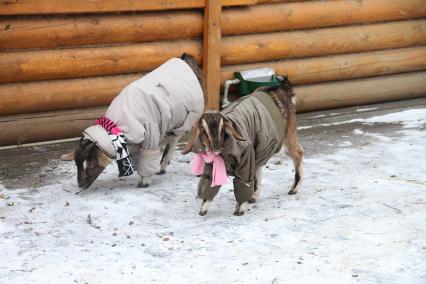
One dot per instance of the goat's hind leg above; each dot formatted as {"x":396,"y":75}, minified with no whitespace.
{"x":298,"y":176}
{"x":295,"y":152}
{"x":169,"y":151}
{"x":257,"y":185}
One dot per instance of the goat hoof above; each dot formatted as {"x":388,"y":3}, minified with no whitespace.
{"x":143,"y":185}
{"x":240,"y":208}
{"x":204,"y":207}
{"x":252,"y":200}
{"x":144,"y":182}
{"x":292,"y":192}
{"x":162,"y":172}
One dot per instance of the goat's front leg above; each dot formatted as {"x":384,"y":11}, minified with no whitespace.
{"x":204,"y":207}
{"x":243,"y":192}
{"x":240,"y":208}
{"x":148,"y":165}
{"x":169,"y":152}
{"x":207,"y":193}
{"x":144,"y":181}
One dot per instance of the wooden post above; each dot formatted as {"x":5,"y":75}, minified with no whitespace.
{"x":211,"y":51}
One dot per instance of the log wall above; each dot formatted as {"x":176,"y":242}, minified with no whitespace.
{"x":65,"y":63}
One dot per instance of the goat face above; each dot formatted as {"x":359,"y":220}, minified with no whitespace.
{"x":90,"y":161}
{"x":211,"y":130}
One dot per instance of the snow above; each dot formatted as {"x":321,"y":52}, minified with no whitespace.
{"x":359,"y":217}
{"x":410,"y":118}
{"x":345,"y":144}
{"x":366,"y":109}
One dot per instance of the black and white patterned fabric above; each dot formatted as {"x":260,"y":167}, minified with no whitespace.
{"x":123,"y":160}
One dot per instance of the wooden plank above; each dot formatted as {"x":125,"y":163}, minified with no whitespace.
{"x":99,"y":61}
{"x":316,"y":14}
{"x":28,"y":128}
{"x":341,"y":67}
{"x":60,"y":31}
{"x":24,"y":7}
{"x":61,"y":94}
{"x":237,"y":2}
{"x":361,"y":92}
{"x":87,"y":62}
{"x":326,"y":41}
{"x":278,"y":1}
{"x":83,"y":30}
{"x":211,"y":52}
{"x":79,"y":93}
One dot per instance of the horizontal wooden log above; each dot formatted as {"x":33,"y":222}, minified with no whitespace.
{"x":277,"y":1}
{"x":28,"y":128}
{"x":59,"y":31}
{"x":87,"y":62}
{"x":316,"y":14}
{"x":262,"y":47}
{"x":24,"y":7}
{"x":342,"y":67}
{"x":61,"y":94}
{"x":361,"y":91}
{"x":78,"y":93}
{"x":99,"y":61}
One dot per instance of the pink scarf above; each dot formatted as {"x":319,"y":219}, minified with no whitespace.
{"x":219,"y":176}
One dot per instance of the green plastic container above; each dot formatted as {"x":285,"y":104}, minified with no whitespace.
{"x":250,"y":80}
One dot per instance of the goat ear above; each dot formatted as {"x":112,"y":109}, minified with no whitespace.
{"x":88,"y":148}
{"x":230,"y":130}
{"x":193,"y":135}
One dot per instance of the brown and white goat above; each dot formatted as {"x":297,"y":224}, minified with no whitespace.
{"x":166,"y":109}
{"x":246,"y":134}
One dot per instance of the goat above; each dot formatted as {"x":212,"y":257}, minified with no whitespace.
{"x":164,"y":103}
{"x":246,"y":134}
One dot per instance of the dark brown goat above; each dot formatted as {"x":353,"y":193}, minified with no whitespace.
{"x":215,"y":131}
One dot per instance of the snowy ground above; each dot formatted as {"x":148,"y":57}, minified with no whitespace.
{"x":360,"y":217}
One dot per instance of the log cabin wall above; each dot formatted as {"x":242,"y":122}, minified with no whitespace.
{"x":62,"y":62}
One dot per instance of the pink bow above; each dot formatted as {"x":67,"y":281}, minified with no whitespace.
{"x":219,"y":176}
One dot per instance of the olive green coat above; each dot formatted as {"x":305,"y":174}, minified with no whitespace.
{"x":260,"y":123}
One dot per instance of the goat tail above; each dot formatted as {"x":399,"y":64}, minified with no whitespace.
{"x":283,"y":97}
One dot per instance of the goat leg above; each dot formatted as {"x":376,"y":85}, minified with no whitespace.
{"x":240,"y":208}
